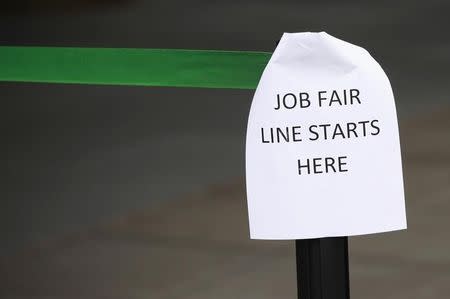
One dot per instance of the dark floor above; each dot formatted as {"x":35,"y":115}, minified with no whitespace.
{"x":198,"y":246}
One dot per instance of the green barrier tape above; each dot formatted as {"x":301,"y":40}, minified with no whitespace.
{"x":142,"y":67}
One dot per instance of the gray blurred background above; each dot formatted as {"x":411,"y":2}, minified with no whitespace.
{"x":78,"y":160}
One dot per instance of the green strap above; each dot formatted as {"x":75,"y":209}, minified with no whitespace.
{"x":144,"y":67}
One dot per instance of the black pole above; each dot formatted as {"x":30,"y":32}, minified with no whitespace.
{"x":322,"y":268}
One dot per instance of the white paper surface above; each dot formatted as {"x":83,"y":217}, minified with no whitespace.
{"x":325,"y":99}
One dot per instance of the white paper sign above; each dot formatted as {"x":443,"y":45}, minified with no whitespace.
{"x":323,"y":153}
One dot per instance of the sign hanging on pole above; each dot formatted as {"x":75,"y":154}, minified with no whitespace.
{"x":323,"y":153}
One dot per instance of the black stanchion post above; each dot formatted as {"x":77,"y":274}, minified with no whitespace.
{"x":322,"y":268}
